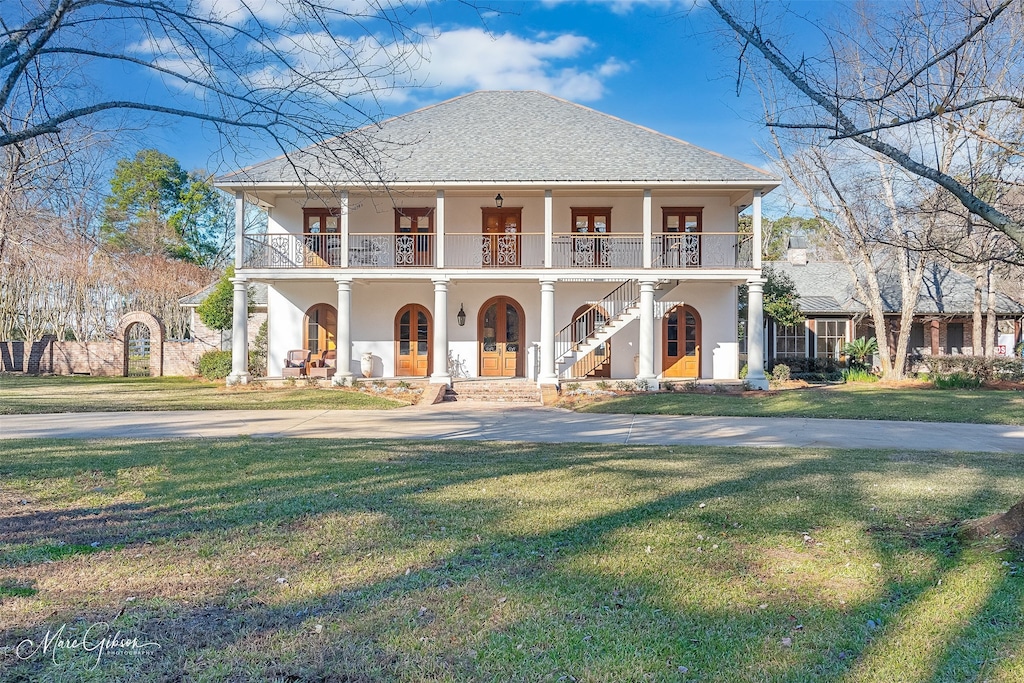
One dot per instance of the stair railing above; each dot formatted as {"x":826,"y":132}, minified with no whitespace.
{"x":571,"y":337}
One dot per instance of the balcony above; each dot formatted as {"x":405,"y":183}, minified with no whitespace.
{"x":670,"y":251}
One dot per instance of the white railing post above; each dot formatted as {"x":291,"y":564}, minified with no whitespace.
{"x":549,"y":229}
{"x":648,"y":228}
{"x":439,"y":231}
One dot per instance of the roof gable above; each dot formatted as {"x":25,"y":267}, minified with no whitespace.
{"x":502,"y":137}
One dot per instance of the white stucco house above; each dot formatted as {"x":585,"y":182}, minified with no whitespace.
{"x":504,"y":234}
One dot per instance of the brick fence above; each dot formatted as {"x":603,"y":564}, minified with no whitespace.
{"x":105,"y":358}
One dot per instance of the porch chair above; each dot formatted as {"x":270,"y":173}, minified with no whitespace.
{"x":296,"y":363}
{"x":326,"y":367}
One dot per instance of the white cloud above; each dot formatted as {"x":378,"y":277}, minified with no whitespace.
{"x":627,"y":6}
{"x":472,"y":58}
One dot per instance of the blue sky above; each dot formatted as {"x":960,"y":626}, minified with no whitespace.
{"x":658,"y":63}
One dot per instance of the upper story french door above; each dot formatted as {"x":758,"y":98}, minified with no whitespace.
{"x":501,"y":245}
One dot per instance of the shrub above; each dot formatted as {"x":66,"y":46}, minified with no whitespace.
{"x":642,"y":385}
{"x":860,"y":351}
{"x":258,"y":353}
{"x":780,"y":373}
{"x":623,"y":385}
{"x":978,"y":369}
{"x":668,"y":386}
{"x":214,"y":365}
{"x":956,"y":380}
{"x":811,"y":369}
{"x":858,"y":375}
{"x":743,"y":371}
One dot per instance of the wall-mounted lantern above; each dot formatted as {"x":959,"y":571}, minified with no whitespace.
{"x":461,"y":316}
{"x":498,"y":200}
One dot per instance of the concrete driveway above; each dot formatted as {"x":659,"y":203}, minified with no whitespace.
{"x":504,"y":422}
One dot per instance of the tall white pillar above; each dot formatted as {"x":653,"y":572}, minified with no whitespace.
{"x":549,"y":227}
{"x":646,"y":369}
{"x":756,"y":247}
{"x":343,"y":338}
{"x":648,"y":229}
{"x":240,"y":333}
{"x":239,"y":230}
{"x":440,"y":374}
{"x":755,"y":333}
{"x":547,"y":374}
{"x":439,"y":231}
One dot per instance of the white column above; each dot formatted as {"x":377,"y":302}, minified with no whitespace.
{"x":343,"y":338}
{"x":239,"y":230}
{"x":440,"y":374}
{"x":755,"y":333}
{"x":646,"y":369}
{"x":240,"y":333}
{"x":439,"y":230}
{"x":344,"y":228}
{"x":547,"y":375}
{"x":648,"y":229}
{"x":756,"y":247}
{"x":549,"y":227}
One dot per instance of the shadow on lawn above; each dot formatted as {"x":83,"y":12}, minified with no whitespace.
{"x":217,"y":486}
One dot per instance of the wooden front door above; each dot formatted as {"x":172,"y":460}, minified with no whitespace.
{"x":681,"y":343}
{"x":597,"y":363}
{"x":501,"y":244}
{"x":502,"y":327}
{"x":321,"y":326}
{"x":412,"y":342}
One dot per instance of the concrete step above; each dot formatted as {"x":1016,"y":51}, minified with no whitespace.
{"x":508,"y":391}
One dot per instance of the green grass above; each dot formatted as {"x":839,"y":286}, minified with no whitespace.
{"x":402,"y":561}
{"x":21,"y":394}
{"x":858,"y":401}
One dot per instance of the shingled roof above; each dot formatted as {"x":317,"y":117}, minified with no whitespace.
{"x":502,"y":137}
{"x":825,"y":287}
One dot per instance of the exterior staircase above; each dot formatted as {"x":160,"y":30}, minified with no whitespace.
{"x":576,"y":342}
{"x":517,"y":390}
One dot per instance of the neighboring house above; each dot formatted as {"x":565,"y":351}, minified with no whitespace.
{"x":221,"y":340}
{"x":943,"y":315}
{"x":505,"y":234}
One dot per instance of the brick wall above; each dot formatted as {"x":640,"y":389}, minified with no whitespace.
{"x":91,"y":358}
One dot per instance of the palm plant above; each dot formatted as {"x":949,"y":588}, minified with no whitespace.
{"x":860,"y":350}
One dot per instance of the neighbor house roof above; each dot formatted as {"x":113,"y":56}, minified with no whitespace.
{"x":827,"y":287}
{"x":502,"y":137}
{"x":257,"y":295}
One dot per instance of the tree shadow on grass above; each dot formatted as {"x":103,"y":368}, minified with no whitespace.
{"x":393,"y":626}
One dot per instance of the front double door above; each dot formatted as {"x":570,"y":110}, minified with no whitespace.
{"x":501,"y":338}
{"x":412,"y":338}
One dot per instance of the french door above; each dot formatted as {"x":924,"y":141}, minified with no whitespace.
{"x":502,"y":244}
{"x":681,"y":343}
{"x":412,"y":341}
{"x":501,"y":331}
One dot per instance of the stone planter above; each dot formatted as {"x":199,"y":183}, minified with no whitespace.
{"x":366,"y":364}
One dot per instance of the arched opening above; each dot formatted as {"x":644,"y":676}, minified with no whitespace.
{"x":597,"y":363}
{"x":501,"y":330}
{"x":137,"y":345}
{"x":681,"y":342}
{"x":319,"y":328}
{"x":413,"y":333}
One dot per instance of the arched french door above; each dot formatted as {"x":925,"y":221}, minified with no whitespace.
{"x":681,"y":342}
{"x":412,"y":342}
{"x":597,"y":363}
{"x":501,"y":330}
{"x":319,"y":327}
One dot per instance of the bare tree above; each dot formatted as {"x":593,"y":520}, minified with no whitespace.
{"x":292,"y":72}
{"x":894,"y":75}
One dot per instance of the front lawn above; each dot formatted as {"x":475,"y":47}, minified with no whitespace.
{"x":850,"y":401}
{"x":404,"y":561}
{"x":20,"y":394}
